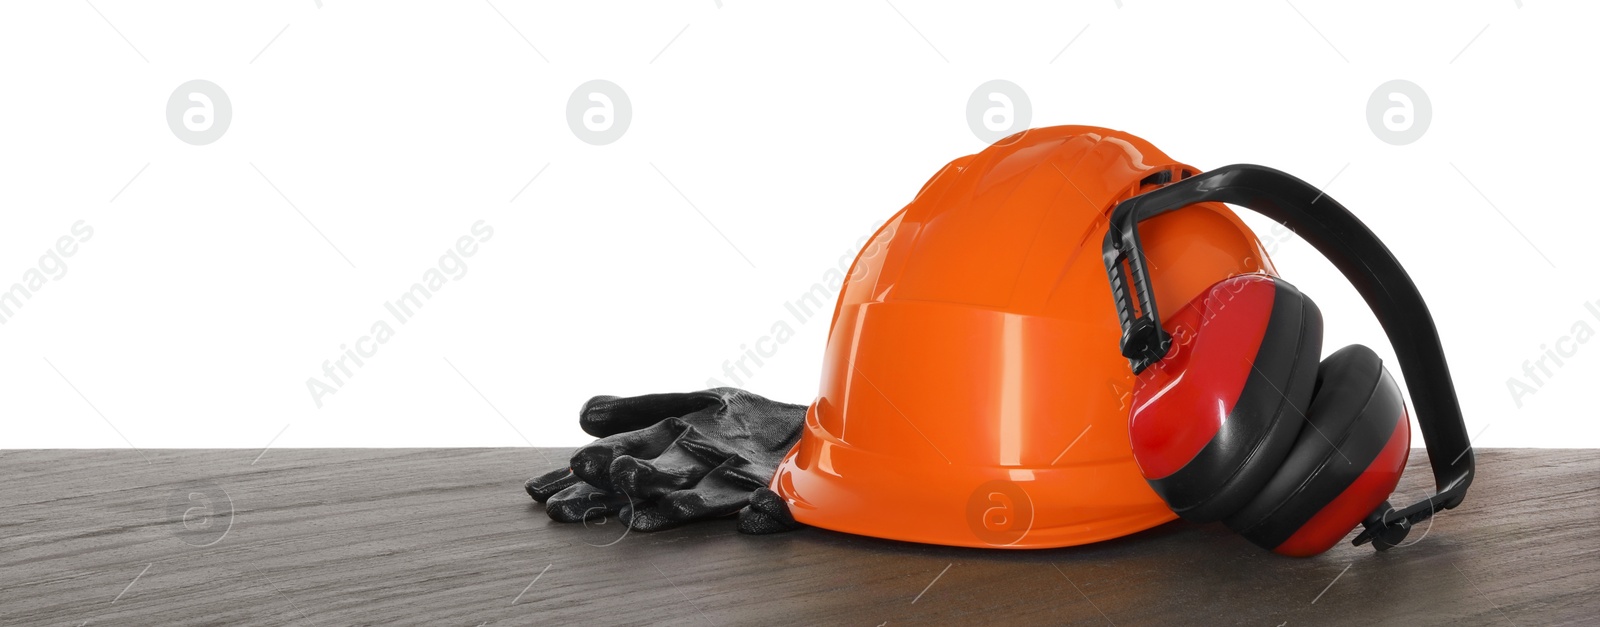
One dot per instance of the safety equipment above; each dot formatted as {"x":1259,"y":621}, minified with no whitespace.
{"x":971,"y":393}
{"x":969,"y":397}
{"x":1233,"y":418}
{"x":666,"y":459}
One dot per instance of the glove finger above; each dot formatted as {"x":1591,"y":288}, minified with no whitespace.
{"x":723,"y":491}
{"x":648,"y":518}
{"x":767,"y":513}
{"x":544,"y":486}
{"x":605,"y":416}
{"x":683,"y":464}
{"x":581,"y":502}
{"x":592,"y":463}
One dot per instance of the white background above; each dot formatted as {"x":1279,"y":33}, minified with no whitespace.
{"x":204,"y":301}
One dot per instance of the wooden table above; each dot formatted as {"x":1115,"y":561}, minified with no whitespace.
{"x":446,"y":537}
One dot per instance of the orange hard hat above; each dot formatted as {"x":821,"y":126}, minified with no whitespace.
{"x":971,"y":391}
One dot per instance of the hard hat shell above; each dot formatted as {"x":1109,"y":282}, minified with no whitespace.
{"x":972,"y":391}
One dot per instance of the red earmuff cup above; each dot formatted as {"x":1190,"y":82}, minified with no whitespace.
{"x":1179,"y":403}
{"x":1335,"y":520}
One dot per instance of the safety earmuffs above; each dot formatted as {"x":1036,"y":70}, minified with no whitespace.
{"x":1235,"y":416}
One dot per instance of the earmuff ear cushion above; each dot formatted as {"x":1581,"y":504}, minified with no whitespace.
{"x":1343,"y":464}
{"x":1252,"y":441}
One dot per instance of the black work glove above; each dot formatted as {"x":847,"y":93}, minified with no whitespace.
{"x":666,"y":459}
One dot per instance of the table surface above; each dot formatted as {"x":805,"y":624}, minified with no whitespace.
{"x":447,"y":537}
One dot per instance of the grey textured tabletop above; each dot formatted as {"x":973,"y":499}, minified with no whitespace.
{"x":446,"y":537}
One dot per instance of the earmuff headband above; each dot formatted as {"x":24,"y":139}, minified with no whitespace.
{"x":1364,"y":261}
